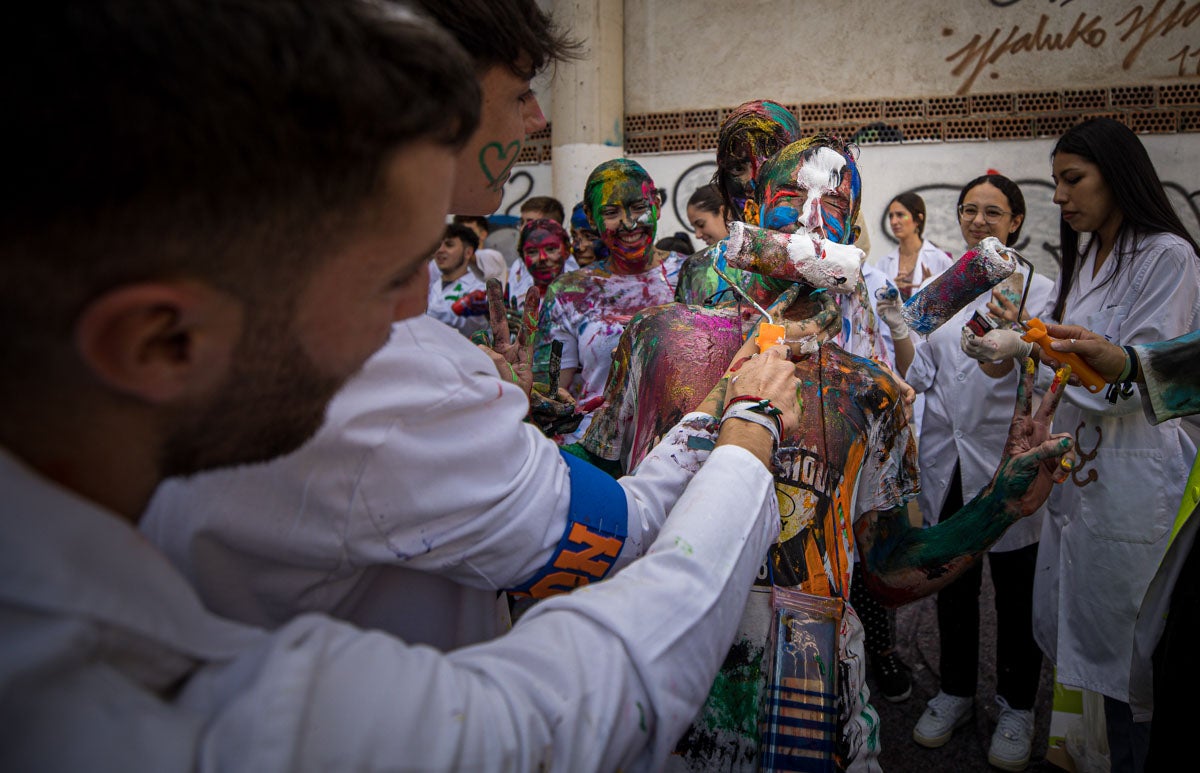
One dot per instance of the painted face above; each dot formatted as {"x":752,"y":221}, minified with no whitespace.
{"x":451,"y":256}
{"x":294,"y":354}
{"x":901,"y":221}
{"x":508,"y":114}
{"x":710,"y":228}
{"x":623,"y":203}
{"x":810,"y":188}
{"x":986,"y":202}
{"x":585,"y":244}
{"x":1083,"y":195}
{"x":544,"y":250}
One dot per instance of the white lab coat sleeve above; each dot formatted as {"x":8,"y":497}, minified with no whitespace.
{"x":659,"y":480}
{"x":602,"y":679}
{"x":1164,"y":309}
{"x":923,"y":370}
{"x":496,"y":518}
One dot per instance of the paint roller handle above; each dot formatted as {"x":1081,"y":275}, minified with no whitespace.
{"x":1036,"y":333}
{"x":769,"y":334}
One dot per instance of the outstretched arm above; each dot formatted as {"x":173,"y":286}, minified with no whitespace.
{"x":904,"y":563}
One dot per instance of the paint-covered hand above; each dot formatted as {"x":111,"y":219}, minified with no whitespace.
{"x":1002,"y":308}
{"x":473,"y":304}
{"x":891,"y":310}
{"x":513,"y":358}
{"x":994,"y":345}
{"x":1033,"y":459}
{"x":1107,"y":359}
{"x":841,"y":260}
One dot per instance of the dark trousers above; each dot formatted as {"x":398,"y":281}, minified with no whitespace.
{"x":1018,"y":658}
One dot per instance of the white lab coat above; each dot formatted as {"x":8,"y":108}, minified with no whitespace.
{"x":1101,"y":543}
{"x":421,"y":496}
{"x":109,"y":661}
{"x":931,"y":261}
{"x":967,"y":416}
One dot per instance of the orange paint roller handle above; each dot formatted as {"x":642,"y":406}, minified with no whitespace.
{"x":768,"y":335}
{"x":1036,"y":334}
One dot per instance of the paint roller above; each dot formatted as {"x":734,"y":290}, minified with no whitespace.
{"x":977,"y":271}
{"x":1035,"y":333}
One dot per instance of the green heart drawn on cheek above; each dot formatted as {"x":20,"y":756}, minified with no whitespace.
{"x":504,"y":158}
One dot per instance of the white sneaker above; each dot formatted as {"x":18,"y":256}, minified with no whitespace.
{"x":943,"y":715}
{"x":1012,"y":739}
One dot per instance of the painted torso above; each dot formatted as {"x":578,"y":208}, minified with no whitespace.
{"x":853,"y":453}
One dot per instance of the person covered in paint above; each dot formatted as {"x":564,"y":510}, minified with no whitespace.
{"x":915,"y":260}
{"x":1164,"y":669}
{"x":588,"y":309}
{"x":1135,"y":280}
{"x":707,"y":214}
{"x":586,"y":247}
{"x":457,"y":296}
{"x":543,"y":246}
{"x":964,"y":429}
{"x":842,"y":479}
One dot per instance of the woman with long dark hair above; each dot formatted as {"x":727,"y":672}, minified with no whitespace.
{"x":915,"y":259}
{"x":1135,"y":278}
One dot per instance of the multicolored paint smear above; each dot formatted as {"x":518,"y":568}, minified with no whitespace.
{"x":543,"y":246}
{"x":976,"y":272}
{"x":750,"y":134}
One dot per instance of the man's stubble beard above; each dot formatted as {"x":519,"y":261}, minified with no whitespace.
{"x":273,"y":401}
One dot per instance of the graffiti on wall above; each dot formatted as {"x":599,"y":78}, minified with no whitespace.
{"x":1155,"y":30}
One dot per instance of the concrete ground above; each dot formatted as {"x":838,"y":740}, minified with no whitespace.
{"x":917,"y":643}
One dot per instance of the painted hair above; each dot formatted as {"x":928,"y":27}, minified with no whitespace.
{"x":510,"y":33}
{"x":1011,"y":191}
{"x":1136,"y":189}
{"x":707,"y":198}
{"x":914,"y":204}
{"x":547,"y":205}
{"x":606,"y":173}
{"x":760,"y":127}
{"x":233,"y":142}
{"x":544,"y":224}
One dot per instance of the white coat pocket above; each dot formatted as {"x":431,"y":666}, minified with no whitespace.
{"x":1122,"y":505}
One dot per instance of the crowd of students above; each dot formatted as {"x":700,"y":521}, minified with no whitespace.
{"x":263,"y":495}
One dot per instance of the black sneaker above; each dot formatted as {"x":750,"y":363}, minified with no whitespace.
{"x":892,"y":677}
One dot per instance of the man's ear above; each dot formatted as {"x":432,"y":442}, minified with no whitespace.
{"x":160,"y":341}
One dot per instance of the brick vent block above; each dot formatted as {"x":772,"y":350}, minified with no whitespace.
{"x":1085,"y":99}
{"x":1132,"y":96}
{"x":988,"y":104}
{"x":939,"y":107}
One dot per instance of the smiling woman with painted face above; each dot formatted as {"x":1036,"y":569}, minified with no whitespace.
{"x":1135,"y":279}
{"x":588,"y":309}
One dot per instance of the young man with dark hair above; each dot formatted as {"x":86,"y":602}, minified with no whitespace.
{"x":488,"y":263}
{"x":457,"y":295}
{"x":510,"y":41}
{"x":542,"y":208}
{"x":186,"y":280}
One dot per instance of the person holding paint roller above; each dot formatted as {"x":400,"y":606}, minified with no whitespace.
{"x":1165,"y":669}
{"x":1136,"y":279}
{"x":843,"y":478}
{"x":965,"y":423}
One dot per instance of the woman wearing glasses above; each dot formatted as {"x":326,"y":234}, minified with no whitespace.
{"x":915,"y":259}
{"x":967,"y":414}
{"x":1135,"y":279}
